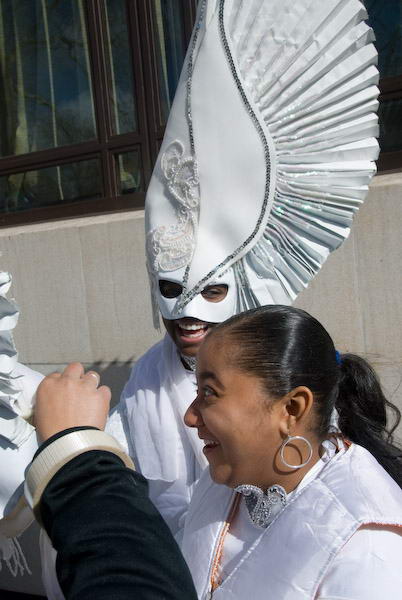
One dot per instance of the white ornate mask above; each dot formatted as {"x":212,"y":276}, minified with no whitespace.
{"x":269,"y":148}
{"x":199,"y":308}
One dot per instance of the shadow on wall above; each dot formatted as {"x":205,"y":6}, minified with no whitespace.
{"x":114,"y":374}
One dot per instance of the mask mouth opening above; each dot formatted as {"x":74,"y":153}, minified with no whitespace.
{"x":191,"y":327}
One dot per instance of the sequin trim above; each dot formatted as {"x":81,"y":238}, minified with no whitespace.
{"x":190,"y":119}
{"x":263,"y":508}
{"x":171,"y":248}
{"x":188,"y":296}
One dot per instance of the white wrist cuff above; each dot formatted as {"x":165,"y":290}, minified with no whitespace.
{"x":59,"y":453}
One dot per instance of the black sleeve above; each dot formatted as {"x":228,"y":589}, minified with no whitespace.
{"x":111,"y":541}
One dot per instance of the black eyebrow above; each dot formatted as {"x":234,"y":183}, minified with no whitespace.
{"x":211,"y":375}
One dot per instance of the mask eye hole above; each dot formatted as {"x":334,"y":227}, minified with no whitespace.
{"x":170,"y":289}
{"x":215,"y":293}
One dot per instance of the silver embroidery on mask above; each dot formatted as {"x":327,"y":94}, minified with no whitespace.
{"x":263,"y":507}
{"x":187,"y":296}
{"x":171,"y":247}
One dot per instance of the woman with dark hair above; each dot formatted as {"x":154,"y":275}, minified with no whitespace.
{"x":311,"y":505}
{"x":301,"y":500}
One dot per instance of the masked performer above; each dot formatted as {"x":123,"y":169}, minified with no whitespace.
{"x":267,"y":155}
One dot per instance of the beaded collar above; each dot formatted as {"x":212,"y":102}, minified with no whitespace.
{"x":263,"y":506}
{"x":189,"y":362}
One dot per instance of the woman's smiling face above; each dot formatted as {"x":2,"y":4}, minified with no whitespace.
{"x":234,"y":416}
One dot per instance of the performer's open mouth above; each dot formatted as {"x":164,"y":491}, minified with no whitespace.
{"x":191,"y":330}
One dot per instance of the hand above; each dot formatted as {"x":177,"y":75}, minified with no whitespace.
{"x":70,"y":399}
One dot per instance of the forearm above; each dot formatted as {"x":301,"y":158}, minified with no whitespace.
{"x":110,"y":539}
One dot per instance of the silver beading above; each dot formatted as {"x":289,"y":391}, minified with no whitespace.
{"x":263,"y":507}
{"x":171,"y":247}
{"x":187,"y":296}
{"x":190,"y":362}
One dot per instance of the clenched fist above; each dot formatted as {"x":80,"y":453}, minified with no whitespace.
{"x":70,"y":399}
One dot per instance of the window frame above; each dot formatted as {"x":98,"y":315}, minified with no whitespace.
{"x":108,"y":145}
{"x":390,"y":89}
{"x":140,"y":17}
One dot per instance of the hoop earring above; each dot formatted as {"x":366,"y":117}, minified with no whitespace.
{"x":290,"y":439}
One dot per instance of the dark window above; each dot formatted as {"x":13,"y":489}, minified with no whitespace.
{"x":85,"y":90}
{"x":385,"y":17}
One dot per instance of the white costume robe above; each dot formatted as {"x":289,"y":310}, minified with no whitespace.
{"x":18,"y":444}
{"x":148,"y":422}
{"x":18,"y":441}
{"x":339,"y":537}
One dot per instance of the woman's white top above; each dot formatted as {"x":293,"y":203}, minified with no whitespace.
{"x":243,"y":533}
{"x":339,"y":537}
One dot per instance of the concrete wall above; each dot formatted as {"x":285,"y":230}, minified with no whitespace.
{"x":358,"y":293}
{"x":83,"y":292}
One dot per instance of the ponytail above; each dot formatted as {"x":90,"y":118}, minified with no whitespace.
{"x":285,"y":347}
{"x":364,"y":412}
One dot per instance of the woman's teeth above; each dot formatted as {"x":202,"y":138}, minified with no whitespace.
{"x":192,"y":327}
{"x":210,"y":443}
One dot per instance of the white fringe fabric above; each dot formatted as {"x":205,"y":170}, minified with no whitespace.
{"x":12,"y":555}
{"x":10,"y":550}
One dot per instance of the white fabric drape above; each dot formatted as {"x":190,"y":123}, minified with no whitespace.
{"x":148,"y":422}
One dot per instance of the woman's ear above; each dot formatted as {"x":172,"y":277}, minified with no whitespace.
{"x":296,"y":407}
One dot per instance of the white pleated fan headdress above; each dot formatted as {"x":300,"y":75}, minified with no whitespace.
{"x":269,"y":148}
